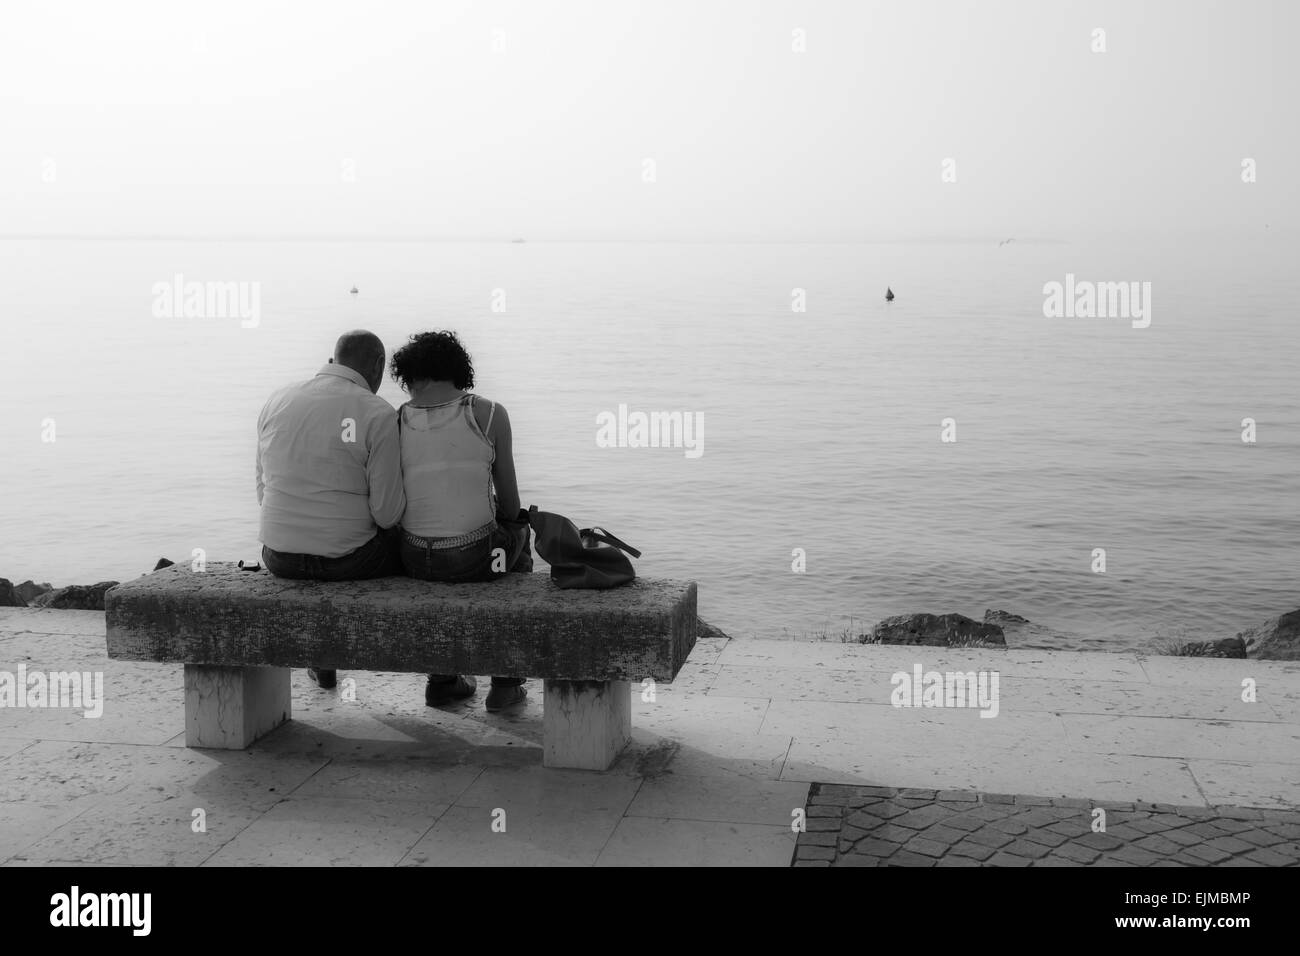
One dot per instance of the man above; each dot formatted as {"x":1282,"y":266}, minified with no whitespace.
{"x":329,"y":479}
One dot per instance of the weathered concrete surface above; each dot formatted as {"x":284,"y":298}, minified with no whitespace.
{"x":523,"y":625}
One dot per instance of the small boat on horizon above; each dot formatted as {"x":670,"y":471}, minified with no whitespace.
{"x":889,"y":294}
{"x":516,"y":240}
{"x":354,"y":290}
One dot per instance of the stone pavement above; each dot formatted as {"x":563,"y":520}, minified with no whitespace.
{"x":883,"y":826}
{"x":721,"y":764}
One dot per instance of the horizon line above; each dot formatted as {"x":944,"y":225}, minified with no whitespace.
{"x":516,"y":240}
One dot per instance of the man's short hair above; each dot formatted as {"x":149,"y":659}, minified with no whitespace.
{"x":359,"y":350}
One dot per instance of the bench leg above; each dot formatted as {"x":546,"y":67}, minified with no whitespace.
{"x":585,"y":723}
{"x":227,"y":708}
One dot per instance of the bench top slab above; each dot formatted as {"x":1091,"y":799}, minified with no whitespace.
{"x":522,"y":625}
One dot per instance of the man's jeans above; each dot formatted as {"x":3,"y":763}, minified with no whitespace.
{"x":473,"y":562}
{"x":377,"y":558}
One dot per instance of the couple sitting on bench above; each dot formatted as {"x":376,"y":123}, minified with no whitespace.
{"x":350,"y":489}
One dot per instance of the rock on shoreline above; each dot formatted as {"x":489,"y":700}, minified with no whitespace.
{"x":76,"y":597}
{"x":20,"y":595}
{"x":1233,"y":647}
{"x":1277,"y":639}
{"x":1003,"y":618}
{"x":9,"y":596}
{"x":29,"y":591}
{"x":1022,"y":631}
{"x":704,"y":629}
{"x":935,"y":630}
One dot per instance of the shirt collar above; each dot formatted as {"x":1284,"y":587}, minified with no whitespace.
{"x":342,"y":371}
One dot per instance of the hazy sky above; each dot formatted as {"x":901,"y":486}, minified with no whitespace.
{"x":152,"y":118}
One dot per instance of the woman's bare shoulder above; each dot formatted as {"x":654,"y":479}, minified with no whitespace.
{"x":486,"y":410}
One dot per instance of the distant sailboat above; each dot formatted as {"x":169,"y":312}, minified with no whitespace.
{"x":889,"y":294}
{"x":1004,"y":242}
{"x":354,"y":290}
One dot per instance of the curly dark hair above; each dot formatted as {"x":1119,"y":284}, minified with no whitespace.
{"x":436,"y":356}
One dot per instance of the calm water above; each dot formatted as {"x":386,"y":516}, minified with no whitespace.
{"x":822,"y":429}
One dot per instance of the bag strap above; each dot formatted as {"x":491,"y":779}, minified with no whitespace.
{"x":600,"y":534}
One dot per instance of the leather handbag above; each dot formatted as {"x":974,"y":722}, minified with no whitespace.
{"x":580,"y":558}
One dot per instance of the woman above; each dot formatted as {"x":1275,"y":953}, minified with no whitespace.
{"x":458,"y":469}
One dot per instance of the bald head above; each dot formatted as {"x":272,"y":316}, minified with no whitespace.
{"x":362,"y":352}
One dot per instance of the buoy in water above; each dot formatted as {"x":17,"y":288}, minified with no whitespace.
{"x":889,"y":294}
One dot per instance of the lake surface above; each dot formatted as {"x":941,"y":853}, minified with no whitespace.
{"x":822,"y":428}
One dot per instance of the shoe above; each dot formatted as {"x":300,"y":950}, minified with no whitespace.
{"x":325,"y":680}
{"x":499,"y":698}
{"x":437,"y":693}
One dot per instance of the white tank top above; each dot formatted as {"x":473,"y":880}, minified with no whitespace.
{"x":446,"y":469}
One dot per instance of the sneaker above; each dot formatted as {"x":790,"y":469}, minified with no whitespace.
{"x":499,"y":698}
{"x":443,"y":691}
{"x":325,"y":680}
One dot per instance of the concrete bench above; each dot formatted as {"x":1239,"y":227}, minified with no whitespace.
{"x":239,"y":632}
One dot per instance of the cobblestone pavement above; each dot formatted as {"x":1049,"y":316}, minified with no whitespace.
{"x":881,"y":826}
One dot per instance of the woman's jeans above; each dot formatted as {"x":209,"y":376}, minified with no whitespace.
{"x":504,"y":550}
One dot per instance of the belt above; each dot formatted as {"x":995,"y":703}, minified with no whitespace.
{"x":447,"y":544}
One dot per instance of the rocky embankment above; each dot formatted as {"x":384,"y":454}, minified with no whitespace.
{"x":74,"y":597}
{"x":1277,"y":639}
